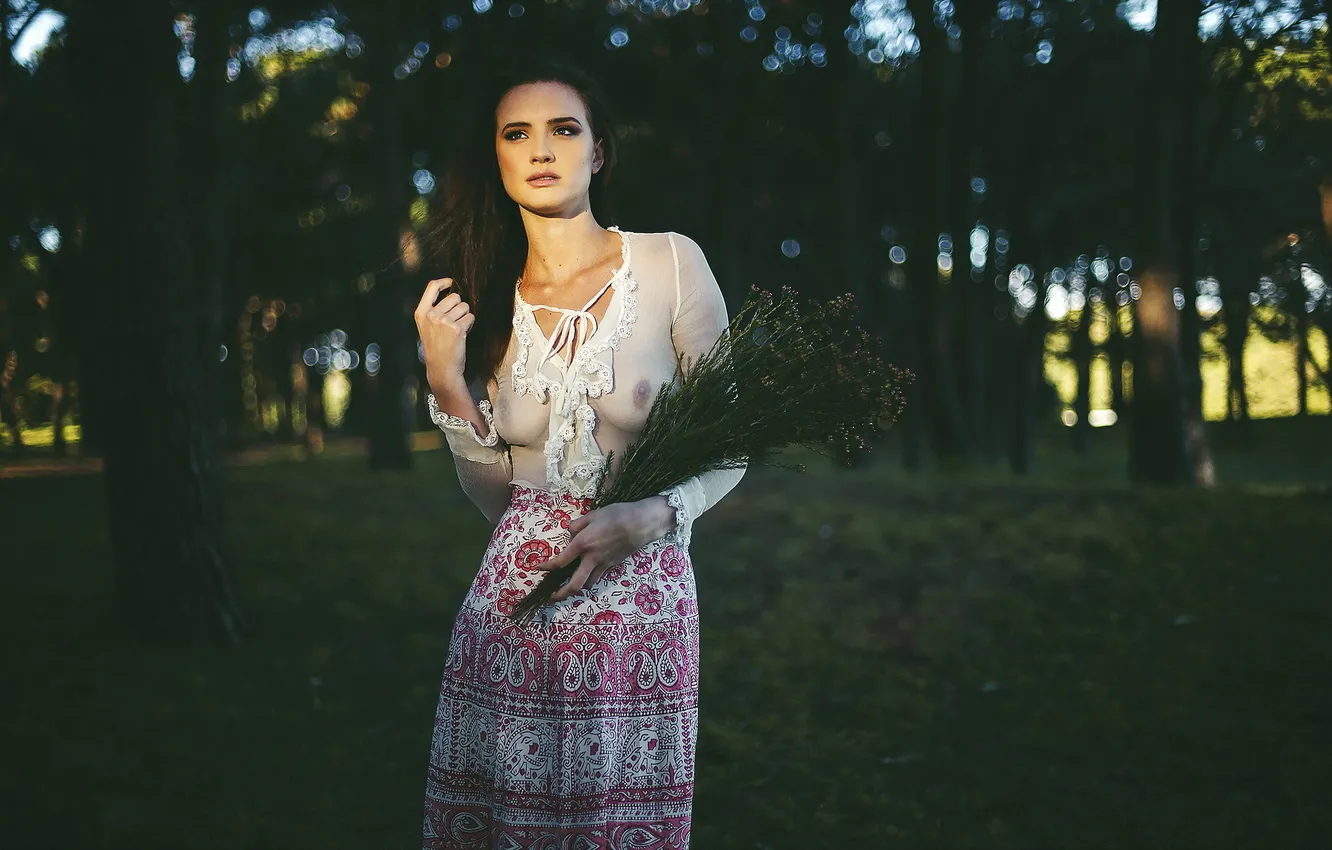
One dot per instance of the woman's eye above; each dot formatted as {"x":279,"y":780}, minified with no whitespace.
{"x":513,"y":134}
{"x":573,"y":131}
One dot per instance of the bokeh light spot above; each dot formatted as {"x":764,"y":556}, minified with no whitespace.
{"x":49,"y":237}
{"x":424,"y":181}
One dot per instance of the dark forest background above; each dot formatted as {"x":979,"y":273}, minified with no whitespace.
{"x":1050,"y":211}
{"x":1096,"y":230}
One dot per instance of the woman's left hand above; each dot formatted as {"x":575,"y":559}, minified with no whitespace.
{"x":606,"y":536}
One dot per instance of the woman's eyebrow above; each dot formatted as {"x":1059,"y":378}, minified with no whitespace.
{"x":564,"y":120}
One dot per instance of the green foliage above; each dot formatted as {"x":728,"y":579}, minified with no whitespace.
{"x":748,"y":397}
{"x":1293,"y":80}
{"x":909,"y":662}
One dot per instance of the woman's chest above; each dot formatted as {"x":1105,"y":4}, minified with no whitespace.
{"x":619,"y":382}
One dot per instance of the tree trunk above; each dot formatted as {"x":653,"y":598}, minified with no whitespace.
{"x":315,"y":423}
{"x":934,"y":360}
{"x":1299,"y":296}
{"x":218,"y":128}
{"x":1238,"y":391}
{"x":1160,"y":435}
{"x":1158,"y":449}
{"x":1190,"y":324}
{"x":736,"y":189}
{"x":9,"y":215}
{"x":1029,"y":375}
{"x":1029,"y":350}
{"x":738,"y":221}
{"x":972,"y":289}
{"x":9,"y":386}
{"x":1302,"y":356}
{"x":58,"y":414}
{"x":1237,"y":309}
{"x":978,"y":375}
{"x":997,"y":321}
{"x":1325,"y":191}
{"x":1322,"y":372}
{"x":163,"y":475}
{"x":1241,"y":265}
{"x":235,"y":417}
{"x":393,"y":330}
{"x":1083,"y":350}
{"x":1116,"y":346}
{"x":1186,"y":235}
{"x":1011,"y":196}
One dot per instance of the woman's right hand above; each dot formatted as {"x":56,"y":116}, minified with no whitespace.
{"x":443,"y":328}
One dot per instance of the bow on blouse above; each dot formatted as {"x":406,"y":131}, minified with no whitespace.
{"x":573,"y":325}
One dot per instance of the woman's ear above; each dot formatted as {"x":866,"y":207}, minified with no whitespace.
{"x":598,"y":158}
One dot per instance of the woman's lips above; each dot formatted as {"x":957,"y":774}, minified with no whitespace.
{"x":541,"y":181}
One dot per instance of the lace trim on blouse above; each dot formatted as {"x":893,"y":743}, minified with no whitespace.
{"x":446,"y":420}
{"x":588,"y":375}
{"x":680,"y":534}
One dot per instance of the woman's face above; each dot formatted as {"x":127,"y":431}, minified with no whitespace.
{"x":543,"y":128}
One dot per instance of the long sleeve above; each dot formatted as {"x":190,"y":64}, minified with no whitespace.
{"x":699,"y":320}
{"x":484,"y":465}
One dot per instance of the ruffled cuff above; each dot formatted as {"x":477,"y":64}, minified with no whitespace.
{"x":684,"y":517}
{"x":461,"y":434}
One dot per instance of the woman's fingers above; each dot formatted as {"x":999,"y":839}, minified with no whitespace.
{"x":579,"y":523}
{"x":457,"y":311}
{"x":597,"y":574}
{"x":576,"y":581}
{"x":431,"y":291}
{"x":446,"y":304}
{"x":589,"y":570}
{"x":443,"y":328}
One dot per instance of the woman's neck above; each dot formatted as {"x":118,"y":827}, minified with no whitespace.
{"x":559,"y":249}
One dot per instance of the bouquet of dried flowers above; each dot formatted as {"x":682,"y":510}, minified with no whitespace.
{"x":781,"y":375}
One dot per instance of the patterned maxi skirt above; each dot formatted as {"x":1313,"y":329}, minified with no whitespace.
{"x":577,"y":731}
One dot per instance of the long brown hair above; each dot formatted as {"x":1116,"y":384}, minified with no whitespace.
{"x":476,"y":234}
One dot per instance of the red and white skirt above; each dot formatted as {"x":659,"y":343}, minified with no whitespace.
{"x":577,"y":731}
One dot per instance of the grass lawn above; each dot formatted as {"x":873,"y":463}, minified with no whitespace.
{"x":927,"y":661}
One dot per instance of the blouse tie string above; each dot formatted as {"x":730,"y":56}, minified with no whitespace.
{"x":573,"y":325}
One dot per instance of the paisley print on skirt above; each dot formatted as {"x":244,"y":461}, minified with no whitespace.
{"x":577,"y":731}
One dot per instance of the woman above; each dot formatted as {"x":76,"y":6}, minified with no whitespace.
{"x":579,"y":729}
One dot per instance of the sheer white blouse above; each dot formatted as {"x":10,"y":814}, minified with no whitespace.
{"x":552,"y":418}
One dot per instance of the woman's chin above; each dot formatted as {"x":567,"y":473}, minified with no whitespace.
{"x":547,"y":205}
